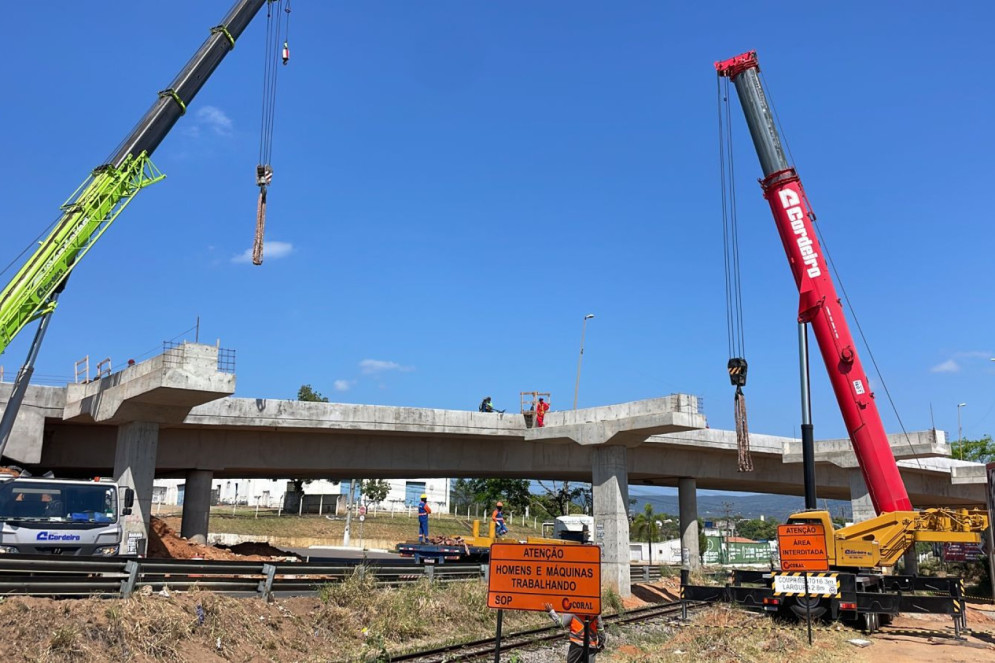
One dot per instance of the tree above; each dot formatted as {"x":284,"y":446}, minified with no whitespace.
{"x":462,"y":494}
{"x":374,"y":490}
{"x":559,"y":498}
{"x":644,"y":527}
{"x":306,"y":393}
{"x":758,"y":530}
{"x":979,"y":451}
{"x":513,"y":492}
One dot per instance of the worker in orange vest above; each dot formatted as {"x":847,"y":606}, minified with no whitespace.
{"x":498,"y":518}
{"x":541,"y":410}
{"x":596,"y":637}
{"x":423,"y":511}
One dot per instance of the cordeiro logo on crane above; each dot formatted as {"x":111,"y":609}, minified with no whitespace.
{"x":792,"y":205}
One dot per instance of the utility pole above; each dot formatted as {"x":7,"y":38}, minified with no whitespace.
{"x":348,"y":512}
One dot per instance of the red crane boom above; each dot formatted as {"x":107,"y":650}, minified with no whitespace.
{"x":819,"y":304}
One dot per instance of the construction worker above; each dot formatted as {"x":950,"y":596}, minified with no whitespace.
{"x":487,"y":406}
{"x":541,"y":410}
{"x":423,"y":511}
{"x":596,"y":637}
{"x":498,"y":518}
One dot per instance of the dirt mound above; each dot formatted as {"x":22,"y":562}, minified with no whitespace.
{"x":165,"y":543}
{"x":257,"y":548}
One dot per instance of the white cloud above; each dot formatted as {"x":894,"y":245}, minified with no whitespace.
{"x":372,"y":366}
{"x":271,"y":251}
{"x":343,"y":385}
{"x":967,"y":357}
{"x":214,"y":119}
{"x":949,"y":366}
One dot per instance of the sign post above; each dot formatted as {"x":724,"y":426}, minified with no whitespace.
{"x":990,"y":473}
{"x":525,"y":576}
{"x":802,"y":547}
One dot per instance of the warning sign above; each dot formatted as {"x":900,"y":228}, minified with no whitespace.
{"x":802,"y":547}
{"x":524,"y":576}
{"x":822,"y":584}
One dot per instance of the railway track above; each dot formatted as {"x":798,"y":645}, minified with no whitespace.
{"x":478,"y":649}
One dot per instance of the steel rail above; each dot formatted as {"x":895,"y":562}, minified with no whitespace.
{"x":529,"y":638}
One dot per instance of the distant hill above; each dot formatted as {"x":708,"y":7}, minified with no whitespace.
{"x":776,"y":507}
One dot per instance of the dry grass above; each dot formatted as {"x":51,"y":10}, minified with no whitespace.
{"x":353,"y":621}
{"x":722,"y":634}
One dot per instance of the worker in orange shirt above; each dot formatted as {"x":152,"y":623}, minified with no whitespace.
{"x":541,"y":410}
{"x":423,"y":511}
{"x":498,"y":518}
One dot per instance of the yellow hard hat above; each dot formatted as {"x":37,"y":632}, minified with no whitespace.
{"x":424,"y":496}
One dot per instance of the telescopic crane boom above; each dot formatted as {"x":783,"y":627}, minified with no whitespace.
{"x":819,"y":304}
{"x":33,"y":291}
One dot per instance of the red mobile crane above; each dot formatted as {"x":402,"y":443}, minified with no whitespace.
{"x":819,"y":304}
{"x":855,"y":551}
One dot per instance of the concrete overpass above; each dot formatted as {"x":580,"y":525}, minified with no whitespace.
{"x":173,"y":416}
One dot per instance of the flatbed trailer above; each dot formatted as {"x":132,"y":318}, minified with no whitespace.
{"x":868,"y":599}
{"x":439,"y":553}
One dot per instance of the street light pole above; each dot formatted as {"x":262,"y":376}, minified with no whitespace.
{"x":580,"y":358}
{"x":960,"y":433}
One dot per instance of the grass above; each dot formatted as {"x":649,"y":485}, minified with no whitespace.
{"x":727,"y":634}
{"x":379,"y":527}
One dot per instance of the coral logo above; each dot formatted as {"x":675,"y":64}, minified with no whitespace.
{"x":570,"y":606}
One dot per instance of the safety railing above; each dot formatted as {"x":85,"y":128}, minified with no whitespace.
{"x":43,"y":575}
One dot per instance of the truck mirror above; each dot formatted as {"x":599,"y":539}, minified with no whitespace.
{"x":129,"y":499}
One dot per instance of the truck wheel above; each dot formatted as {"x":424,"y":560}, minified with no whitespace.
{"x":804,"y":605}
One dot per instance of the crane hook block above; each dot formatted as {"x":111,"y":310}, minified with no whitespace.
{"x":737,"y":371}
{"x":286,"y":52}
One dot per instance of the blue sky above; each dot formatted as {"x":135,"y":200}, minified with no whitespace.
{"x":458,"y":183}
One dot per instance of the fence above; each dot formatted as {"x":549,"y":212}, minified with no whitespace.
{"x":41,"y":575}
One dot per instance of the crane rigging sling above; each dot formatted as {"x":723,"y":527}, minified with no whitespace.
{"x":264,"y":171}
{"x":737,"y":365}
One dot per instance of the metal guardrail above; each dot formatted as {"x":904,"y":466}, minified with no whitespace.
{"x":645,"y":573}
{"x":43,"y":575}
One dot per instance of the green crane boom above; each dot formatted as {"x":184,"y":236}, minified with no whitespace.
{"x":89,"y":212}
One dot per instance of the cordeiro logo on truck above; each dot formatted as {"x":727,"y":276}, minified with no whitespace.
{"x":55,"y":536}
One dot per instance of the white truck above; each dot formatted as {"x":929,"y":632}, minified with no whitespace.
{"x":573,"y":528}
{"x":43,"y":516}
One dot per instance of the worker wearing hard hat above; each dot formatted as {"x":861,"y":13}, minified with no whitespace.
{"x":596,"y":636}
{"x":498,"y":518}
{"x":423,"y":511}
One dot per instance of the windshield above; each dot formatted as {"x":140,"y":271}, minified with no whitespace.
{"x":58,"y":501}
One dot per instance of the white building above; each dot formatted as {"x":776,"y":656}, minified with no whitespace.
{"x":270,"y":493}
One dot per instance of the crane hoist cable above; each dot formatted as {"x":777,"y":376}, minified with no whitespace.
{"x":737,"y":365}
{"x":277,"y":17}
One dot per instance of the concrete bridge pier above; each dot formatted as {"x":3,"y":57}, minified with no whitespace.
{"x":687,"y":501}
{"x":134,"y":467}
{"x":860,"y":498}
{"x":197,"y":505}
{"x":611,"y":515}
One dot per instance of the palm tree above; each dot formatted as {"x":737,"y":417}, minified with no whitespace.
{"x":644,"y":527}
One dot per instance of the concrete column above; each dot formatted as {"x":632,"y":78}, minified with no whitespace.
{"x":860,"y":499}
{"x":687,"y":500}
{"x":911,"y":558}
{"x":134,"y":467}
{"x":196,"y":505}
{"x":611,"y":515}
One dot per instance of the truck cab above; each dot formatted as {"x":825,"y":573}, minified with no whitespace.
{"x":43,"y":516}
